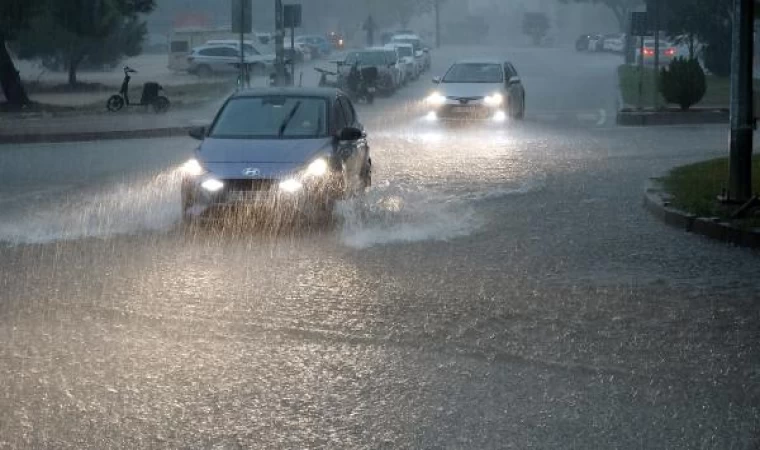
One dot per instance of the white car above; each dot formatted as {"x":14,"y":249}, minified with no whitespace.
{"x":486,"y":89}
{"x":410,"y":65}
{"x":614,"y":43}
{"x":208,"y":60}
{"x":421,"y":53}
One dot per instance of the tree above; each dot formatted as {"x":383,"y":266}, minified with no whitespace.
{"x":535,"y":25}
{"x":75,"y":31}
{"x":709,"y":21}
{"x":14,"y":17}
{"x":683,"y":82}
{"x":621,"y":8}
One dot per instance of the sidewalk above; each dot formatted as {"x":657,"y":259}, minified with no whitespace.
{"x":119,"y":125}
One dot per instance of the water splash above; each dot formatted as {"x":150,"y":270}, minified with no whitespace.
{"x":150,"y":203}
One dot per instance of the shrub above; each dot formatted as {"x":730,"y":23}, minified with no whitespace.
{"x":683,"y":82}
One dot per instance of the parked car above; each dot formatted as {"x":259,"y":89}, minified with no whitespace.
{"x":595,"y":43}
{"x":278,"y":152}
{"x":614,"y":43}
{"x":374,"y":57}
{"x":582,"y":43}
{"x":208,"y":60}
{"x":319,"y":45}
{"x":421,"y":52}
{"x":406,"y":61}
{"x":337,"y":40}
{"x":486,"y":89}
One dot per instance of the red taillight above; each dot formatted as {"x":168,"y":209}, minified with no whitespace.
{"x":670,"y":52}
{"x":648,"y":52}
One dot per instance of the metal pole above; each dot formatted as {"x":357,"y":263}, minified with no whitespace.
{"x":641,"y":72}
{"x":740,"y":155}
{"x":279,"y":41}
{"x":656,"y":84}
{"x":293,"y":55}
{"x":242,"y":40}
{"x":437,"y":23}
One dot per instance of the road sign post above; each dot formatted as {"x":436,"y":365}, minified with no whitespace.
{"x":292,"y":20}
{"x":242,"y":23}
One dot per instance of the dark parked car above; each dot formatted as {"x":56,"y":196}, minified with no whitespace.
{"x":277,"y":150}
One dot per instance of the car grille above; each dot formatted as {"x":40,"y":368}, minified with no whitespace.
{"x":465,"y":100}
{"x":249,"y":185}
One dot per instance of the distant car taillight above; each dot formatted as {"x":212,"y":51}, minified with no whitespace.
{"x":670,"y":52}
{"x":648,"y":52}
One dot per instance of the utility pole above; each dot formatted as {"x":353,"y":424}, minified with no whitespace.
{"x":437,"y":6}
{"x":279,"y":44}
{"x":742,"y":120}
{"x":656,"y":84}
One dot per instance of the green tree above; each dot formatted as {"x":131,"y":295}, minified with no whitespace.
{"x":15,"y":15}
{"x":683,"y":82}
{"x":97,"y":31}
{"x":621,"y":8}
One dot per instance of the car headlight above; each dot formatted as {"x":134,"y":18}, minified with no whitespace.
{"x":291,"y":185}
{"x":212,"y":185}
{"x":318,"y":168}
{"x":436,"y":99}
{"x":192,"y":168}
{"x":494,"y":100}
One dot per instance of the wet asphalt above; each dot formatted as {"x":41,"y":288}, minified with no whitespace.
{"x":498,"y":287}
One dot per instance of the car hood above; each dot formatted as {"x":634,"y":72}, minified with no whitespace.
{"x":469,"y":89}
{"x":229,"y":158}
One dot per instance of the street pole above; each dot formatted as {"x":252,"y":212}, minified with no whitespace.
{"x":437,"y":5}
{"x":740,"y":155}
{"x":279,"y":43}
{"x":656,"y":84}
{"x":242,"y":41}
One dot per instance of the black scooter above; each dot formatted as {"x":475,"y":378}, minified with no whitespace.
{"x":150,"y":95}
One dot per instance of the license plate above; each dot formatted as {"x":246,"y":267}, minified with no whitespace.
{"x":462,"y":109}
{"x":247,"y":196}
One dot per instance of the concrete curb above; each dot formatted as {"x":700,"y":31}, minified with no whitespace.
{"x":661,"y":118}
{"x":27,"y":138}
{"x":657,"y":203}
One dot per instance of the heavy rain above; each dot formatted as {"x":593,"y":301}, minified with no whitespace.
{"x":379,"y":224}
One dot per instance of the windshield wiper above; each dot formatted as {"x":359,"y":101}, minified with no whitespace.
{"x":287,"y":120}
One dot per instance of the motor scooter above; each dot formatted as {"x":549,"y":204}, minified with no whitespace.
{"x":150,"y":95}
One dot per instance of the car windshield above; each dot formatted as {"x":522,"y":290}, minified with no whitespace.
{"x":474,"y":73}
{"x":263,"y":117}
{"x":415,"y":42}
{"x":405,"y":51}
{"x":374,"y":58}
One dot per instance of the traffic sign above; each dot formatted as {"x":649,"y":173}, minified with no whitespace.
{"x":242,"y":16}
{"x":292,"y":15}
{"x":640,"y":24}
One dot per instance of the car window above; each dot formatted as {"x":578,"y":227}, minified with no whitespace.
{"x":474,"y":73}
{"x":209,"y":52}
{"x":348,"y":111}
{"x":366,"y":58}
{"x":229,"y":51}
{"x":262,"y":117}
{"x":405,"y":51}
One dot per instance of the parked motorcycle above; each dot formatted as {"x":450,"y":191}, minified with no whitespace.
{"x":150,"y":95}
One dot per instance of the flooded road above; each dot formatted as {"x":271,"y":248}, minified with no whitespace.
{"x":498,"y":287}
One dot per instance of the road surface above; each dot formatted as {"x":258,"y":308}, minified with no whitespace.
{"x":497,"y":288}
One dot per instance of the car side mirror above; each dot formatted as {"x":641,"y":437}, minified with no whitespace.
{"x":418,"y":53}
{"x":514,"y":80}
{"x":198,"y":133}
{"x":437,"y":80}
{"x":350,"y":134}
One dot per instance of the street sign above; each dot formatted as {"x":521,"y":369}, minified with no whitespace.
{"x":640,"y":24}
{"x":242,"y":16}
{"x":292,"y":15}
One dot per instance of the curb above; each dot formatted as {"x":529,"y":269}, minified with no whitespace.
{"x":663,"y":118}
{"x":656,"y":202}
{"x":51,"y":138}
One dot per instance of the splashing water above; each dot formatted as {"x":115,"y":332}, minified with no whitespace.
{"x":150,"y":203}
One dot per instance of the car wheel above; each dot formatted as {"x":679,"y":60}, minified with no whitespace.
{"x":367,"y":175}
{"x":520,"y":115}
{"x":204,"y":71}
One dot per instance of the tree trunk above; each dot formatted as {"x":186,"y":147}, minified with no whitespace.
{"x":10,"y":81}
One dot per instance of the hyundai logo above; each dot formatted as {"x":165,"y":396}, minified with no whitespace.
{"x":251,"y":172}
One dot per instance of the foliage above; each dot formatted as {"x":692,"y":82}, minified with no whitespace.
{"x":98,"y":32}
{"x":15,"y":16}
{"x":621,"y":8}
{"x":683,"y":82}
{"x":535,"y":25}
{"x":709,"y":21}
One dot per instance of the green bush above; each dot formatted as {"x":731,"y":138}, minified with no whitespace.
{"x":683,"y":82}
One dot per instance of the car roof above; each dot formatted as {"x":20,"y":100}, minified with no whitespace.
{"x":479,"y":61}
{"x":323,"y":92}
{"x":205,"y":46}
{"x":406,"y":36}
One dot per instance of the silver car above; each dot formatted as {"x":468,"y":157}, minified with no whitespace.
{"x":213,"y":59}
{"x":280,"y":151}
{"x":478,"y":89}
